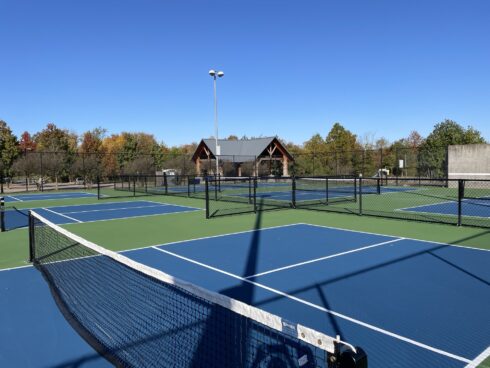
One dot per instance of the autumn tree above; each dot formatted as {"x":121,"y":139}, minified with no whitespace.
{"x":90,"y":155}
{"x":57,"y":147}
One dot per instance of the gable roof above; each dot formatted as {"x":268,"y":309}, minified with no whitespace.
{"x":246,"y":147}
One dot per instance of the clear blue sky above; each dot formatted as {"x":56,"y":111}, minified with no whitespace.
{"x":292,"y":68}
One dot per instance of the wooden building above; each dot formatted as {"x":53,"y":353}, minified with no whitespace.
{"x":252,"y":152}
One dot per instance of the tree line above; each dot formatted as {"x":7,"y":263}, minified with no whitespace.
{"x":58,"y":154}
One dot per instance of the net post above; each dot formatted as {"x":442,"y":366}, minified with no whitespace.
{"x":378,"y":186}
{"x":249,"y":190}
{"x":293,"y":191}
{"x":32,"y":252}
{"x":206,"y":181}
{"x":360,"y":194}
{"x":146,"y":183}
{"x":2,"y":214}
{"x":134,"y":186}
{"x":460,"y":200}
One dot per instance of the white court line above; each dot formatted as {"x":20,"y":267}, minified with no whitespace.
{"x":59,"y":195}
{"x":99,"y":203}
{"x":415,"y":239}
{"x":118,"y":218}
{"x":173,"y":204}
{"x":17,"y":199}
{"x":137,"y":216}
{"x":15,"y":268}
{"x":479,"y":359}
{"x":118,"y":208}
{"x":41,"y":197}
{"x":323,"y":258}
{"x":337,"y":314}
{"x":439,"y":214}
{"x":60,"y":214}
{"x":252,"y":230}
{"x":175,"y":242}
{"x":217,"y":236}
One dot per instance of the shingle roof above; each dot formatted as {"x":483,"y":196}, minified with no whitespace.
{"x":249,"y":147}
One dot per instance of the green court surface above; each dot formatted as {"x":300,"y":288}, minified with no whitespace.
{"x":485,"y":364}
{"x":144,"y":231}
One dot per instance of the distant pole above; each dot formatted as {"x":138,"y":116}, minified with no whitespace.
{"x":214,"y":74}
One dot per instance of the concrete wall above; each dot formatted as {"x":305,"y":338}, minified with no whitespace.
{"x":469,"y":161}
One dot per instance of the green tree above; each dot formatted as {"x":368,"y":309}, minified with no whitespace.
{"x":9,"y":149}
{"x":433,"y":150}
{"x":313,"y":160}
{"x":343,"y":151}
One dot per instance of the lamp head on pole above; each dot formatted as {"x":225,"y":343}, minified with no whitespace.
{"x":213,"y":73}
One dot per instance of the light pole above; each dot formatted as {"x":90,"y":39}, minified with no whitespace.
{"x":215,"y":74}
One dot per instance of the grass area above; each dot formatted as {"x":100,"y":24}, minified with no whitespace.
{"x":145,"y":231}
{"x":485,"y":363}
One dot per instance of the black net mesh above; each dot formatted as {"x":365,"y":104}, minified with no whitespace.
{"x":236,"y":195}
{"x":136,"y":316}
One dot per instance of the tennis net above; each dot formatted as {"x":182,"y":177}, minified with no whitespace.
{"x":137,"y":316}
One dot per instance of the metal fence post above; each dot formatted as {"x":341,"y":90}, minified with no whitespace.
{"x":32,"y":252}
{"x":250,"y":200}
{"x":2,"y":214}
{"x":207,"y":195}
{"x":460,"y":200}
{"x":98,"y":187}
{"x":255,"y":193}
{"x":41,"y":186}
{"x":216,"y":178}
{"x":355,"y":189}
{"x":293,"y":192}
{"x":326,"y":190}
{"x":360,"y":195}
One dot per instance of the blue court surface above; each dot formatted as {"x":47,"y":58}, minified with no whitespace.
{"x":408,"y":303}
{"x":47,"y":196}
{"x":94,"y":212}
{"x":469,"y":207}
